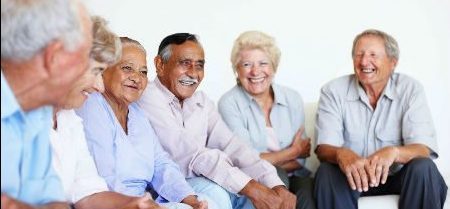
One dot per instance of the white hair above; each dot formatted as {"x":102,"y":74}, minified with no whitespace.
{"x":28,"y":26}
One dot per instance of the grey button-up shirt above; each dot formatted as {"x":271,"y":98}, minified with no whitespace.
{"x":345,"y":117}
{"x":200,"y":142}
{"x":244,"y":116}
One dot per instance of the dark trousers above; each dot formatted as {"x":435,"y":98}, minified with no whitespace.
{"x":419,"y":184}
{"x":302,"y":187}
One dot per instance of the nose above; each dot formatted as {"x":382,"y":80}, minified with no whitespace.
{"x":365,"y":60}
{"x":192,"y":72}
{"x":254,"y":70}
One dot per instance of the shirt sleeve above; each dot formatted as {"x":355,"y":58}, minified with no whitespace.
{"x":167,"y":180}
{"x":244,"y":162}
{"x":417,"y":122}
{"x":329,"y":124}
{"x":99,"y":137}
{"x":50,"y":189}
{"x":87,"y":181}
{"x":232,"y":116}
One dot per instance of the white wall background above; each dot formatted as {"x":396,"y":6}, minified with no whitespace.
{"x":315,"y":38}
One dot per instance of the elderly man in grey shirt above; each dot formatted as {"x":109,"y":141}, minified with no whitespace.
{"x":375,"y":134}
{"x":191,"y":130}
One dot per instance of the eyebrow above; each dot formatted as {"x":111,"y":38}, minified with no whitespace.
{"x":187,"y":58}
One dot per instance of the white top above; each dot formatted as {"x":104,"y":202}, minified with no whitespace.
{"x":273,"y":144}
{"x":71,"y":158}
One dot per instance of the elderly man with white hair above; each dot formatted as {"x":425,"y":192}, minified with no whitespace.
{"x":45,"y":47}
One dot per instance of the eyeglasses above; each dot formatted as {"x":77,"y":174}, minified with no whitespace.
{"x":249,"y":65}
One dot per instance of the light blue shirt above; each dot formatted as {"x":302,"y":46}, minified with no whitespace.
{"x":26,"y":171}
{"x":131,"y":162}
{"x":345,"y":117}
{"x":244,"y":116}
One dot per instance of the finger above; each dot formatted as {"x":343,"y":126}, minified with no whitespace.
{"x":385,"y":174}
{"x":364,"y":180}
{"x":378,"y":174}
{"x":350,"y":180}
{"x":370,"y":171}
{"x":357,"y":179}
{"x":299,"y":133}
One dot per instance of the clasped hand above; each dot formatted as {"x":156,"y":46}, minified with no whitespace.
{"x":364,"y":172}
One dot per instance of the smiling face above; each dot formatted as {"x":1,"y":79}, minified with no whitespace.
{"x":372,"y":65}
{"x":71,"y":64}
{"x":255,"y":71}
{"x":90,"y":81}
{"x":184,"y":70}
{"x":126,"y":80}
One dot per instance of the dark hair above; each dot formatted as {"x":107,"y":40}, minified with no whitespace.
{"x":165,"y":49}
{"x":176,"y":38}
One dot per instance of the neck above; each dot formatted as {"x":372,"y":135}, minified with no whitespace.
{"x":374,"y":92}
{"x":119,"y":107}
{"x":27,"y":82}
{"x":265,"y":101}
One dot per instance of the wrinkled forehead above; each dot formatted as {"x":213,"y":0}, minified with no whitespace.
{"x":188,"y":50}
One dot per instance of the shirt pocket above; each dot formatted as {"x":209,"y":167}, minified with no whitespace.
{"x":388,"y":137}
{"x":354,"y":140}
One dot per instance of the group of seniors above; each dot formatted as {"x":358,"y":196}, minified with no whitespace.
{"x":83,"y":127}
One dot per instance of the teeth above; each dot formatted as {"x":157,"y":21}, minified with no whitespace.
{"x":368,"y":70}
{"x":187,"y":82}
{"x":256,"y":80}
{"x":86,"y":93}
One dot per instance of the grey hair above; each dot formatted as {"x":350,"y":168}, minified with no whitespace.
{"x":390,"y":44}
{"x":126,"y":41}
{"x":28,"y":26}
{"x":166,"y":53}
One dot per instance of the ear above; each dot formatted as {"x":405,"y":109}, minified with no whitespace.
{"x":53,"y":55}
{"x":393,"y":64}
{"x":159,"y":65}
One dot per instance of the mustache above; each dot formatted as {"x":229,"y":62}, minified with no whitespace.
{"x":188,"y":79}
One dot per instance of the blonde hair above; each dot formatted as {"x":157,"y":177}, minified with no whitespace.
{"x":106,"y":47}
{"x":255,"y":40}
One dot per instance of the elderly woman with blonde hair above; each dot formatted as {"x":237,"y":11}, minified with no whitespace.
{"x":268,"y":116}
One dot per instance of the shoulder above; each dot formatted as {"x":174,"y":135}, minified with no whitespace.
{"x":200,"y":97}
{"x":289,"y":93}
{"x":345,"y":80}
{"x":231,"y":96}
{"x":339,"y":86}
{"x":405,"y":83}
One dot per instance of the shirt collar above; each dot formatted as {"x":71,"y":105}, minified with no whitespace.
{"x":9,"y":102}
{"x":280,"y":98}
{"x":355,"y":90}
{"x":171,"y":98}
{"x":168,"y":95}
{"x":245,"y":100}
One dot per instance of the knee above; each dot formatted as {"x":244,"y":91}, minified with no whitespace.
{"x":329,"y":175}
{"x":420,"y":166}
{"x":326,"y":171}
